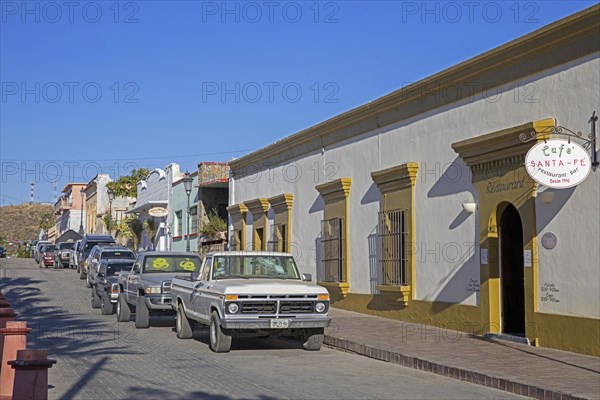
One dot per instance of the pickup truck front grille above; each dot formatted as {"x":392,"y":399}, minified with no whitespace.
{"x":166,"y":287}
{"x":295,"y":307}
{"x":259,"y":307}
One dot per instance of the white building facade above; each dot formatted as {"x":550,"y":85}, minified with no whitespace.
{"x":418,"y":206}
{"x":155,"y":193}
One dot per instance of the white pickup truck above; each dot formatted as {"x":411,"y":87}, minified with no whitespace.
{"x":250,"y":293}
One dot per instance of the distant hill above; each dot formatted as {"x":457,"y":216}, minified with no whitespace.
{"x":21,"y":222}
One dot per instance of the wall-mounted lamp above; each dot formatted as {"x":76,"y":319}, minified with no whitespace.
{"x":547,"y":196}
{"x":470,"y":207}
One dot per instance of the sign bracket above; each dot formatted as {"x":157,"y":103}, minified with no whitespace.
{"x":590,"y":138}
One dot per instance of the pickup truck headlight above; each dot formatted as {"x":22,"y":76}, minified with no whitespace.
{"x":233,"y":308}
{"x":320,"y":307}
{"x":153,"y":290}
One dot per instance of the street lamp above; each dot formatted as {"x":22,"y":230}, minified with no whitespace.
{"x":187,"y":185}
{"x":82,"y":192}
{"x":111,"y":197}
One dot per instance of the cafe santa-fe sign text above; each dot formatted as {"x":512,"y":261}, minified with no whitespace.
{"x":558,"y":164}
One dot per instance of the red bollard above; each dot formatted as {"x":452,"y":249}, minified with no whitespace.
{"x":6,"y":314}
{"x":31,"y":374}
{"x":15,"y":338}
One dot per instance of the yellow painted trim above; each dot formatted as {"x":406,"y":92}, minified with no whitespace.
{"x":237,"y":212}
{"x":397,"y":186}
{"x":259,"y":208}
{"x":566,"y":332}
{"x":499,"y":157}
{"x":333,"y":287}
{"x":396,"y":178}
{"x":239,"y":208}
{"x":335,"y":194}
{"x":335,"y":190}
{"x":282,"y":207}
{"x":403,"y":292}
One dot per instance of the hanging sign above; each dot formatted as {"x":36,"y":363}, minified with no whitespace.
{"x":158,"y":212}
{"x":558,"y":164}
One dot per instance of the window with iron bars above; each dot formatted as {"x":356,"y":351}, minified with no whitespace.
{"x":332,"y":250}
{"x":392,"y":236}
{"x":235,"y":241}
{"x":278,"y":240}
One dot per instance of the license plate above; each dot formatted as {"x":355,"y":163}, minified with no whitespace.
{"x":280,"y":323}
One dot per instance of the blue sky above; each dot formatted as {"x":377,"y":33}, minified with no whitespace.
{"x":96,"y":86}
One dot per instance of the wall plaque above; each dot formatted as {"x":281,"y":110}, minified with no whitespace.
{"x":549,"y":240}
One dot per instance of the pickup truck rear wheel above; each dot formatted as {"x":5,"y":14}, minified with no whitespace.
{"x":106,"y":307}
{"x":183,"y":325}
{"x":96,"y":301}
{"x":219,"y":341}
{"x":312,"y":338}
{"x":142,"y":314}
{"x":123,"y":311}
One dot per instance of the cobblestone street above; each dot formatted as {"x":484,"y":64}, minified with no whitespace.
{"x":98,"y":358}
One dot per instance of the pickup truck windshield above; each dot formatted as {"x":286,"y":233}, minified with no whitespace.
{"x":66,"y":246}
{"x":112,"y":255}
{"x":114,"y":269}
{"x":157,"y":264}
{"x":270,"y":267}
{"x":89,"y":245}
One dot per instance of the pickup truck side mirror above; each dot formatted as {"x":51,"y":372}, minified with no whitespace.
{"x":307,"y":277}
{"x":195,"y":276}
{"x":101,"y":275}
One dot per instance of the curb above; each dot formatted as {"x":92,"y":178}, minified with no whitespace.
{"x":446,"y":371}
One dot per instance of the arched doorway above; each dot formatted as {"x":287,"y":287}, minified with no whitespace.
{"x":510,"y":236}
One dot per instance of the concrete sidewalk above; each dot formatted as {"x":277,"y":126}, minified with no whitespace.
{"x":537,"y":372}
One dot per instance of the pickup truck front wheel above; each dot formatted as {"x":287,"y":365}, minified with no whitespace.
{"x":142,"y":314}
{"x":219,"y":341}
{"x":106,"y":307}
{"x":96,"y":301}
{"x":183,"y":324}
{"x":123,"y":311}
{"x":312,"y":338}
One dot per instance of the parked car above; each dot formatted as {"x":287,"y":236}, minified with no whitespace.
{"x":63,"y":253}
{"x":87,"y":243}
{"x":250,"y":293}
{"x":105,"y":252}
{"x":73,"y":255}
{"x":47,"y":255}
{"x":105,"y":290}
{"x":2,"y":252}
{"x":38,"y":247}
{"x":146,"y":288}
